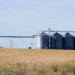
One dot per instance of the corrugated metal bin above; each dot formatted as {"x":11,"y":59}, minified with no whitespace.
{"x":69,"y":41}
{"x":43,"y":41}
{"x":56,"y":41}
{"x":59,"y":41}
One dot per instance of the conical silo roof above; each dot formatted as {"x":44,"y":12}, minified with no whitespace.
{"x":57,"y":34}
{"x":68,"y":34}
{"x":43,"y":34}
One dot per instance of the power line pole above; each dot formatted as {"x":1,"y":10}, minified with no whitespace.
{"x":12,"y":44}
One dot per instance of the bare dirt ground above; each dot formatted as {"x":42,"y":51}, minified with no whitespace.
{"x":36,"y":56}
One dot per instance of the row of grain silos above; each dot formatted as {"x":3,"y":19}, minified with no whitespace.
{"x":57,"y":41}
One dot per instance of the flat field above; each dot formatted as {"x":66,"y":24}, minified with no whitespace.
{"x":37,"y":62}
{"x":32,"y":56}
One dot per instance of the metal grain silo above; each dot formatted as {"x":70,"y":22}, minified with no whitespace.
{"x":68,"y":41}
{"x":58,"y":41}
{"x":43,"y":41}
{"x":52,"y":42}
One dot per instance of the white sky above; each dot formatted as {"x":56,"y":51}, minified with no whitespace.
{"x":27,"y":17}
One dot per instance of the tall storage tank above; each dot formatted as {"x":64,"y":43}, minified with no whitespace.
{"x":56,"y":41}
{"x":59,"y":41}
{"x":69,"y":41}
{"x":52,"y":42}
{"x":43,"y":41}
